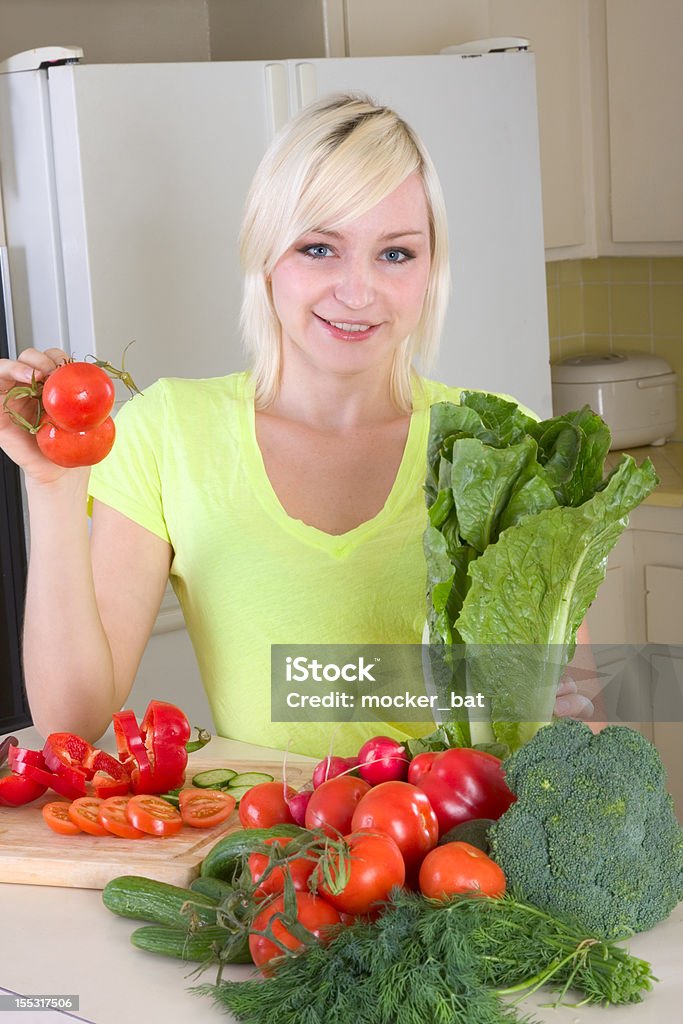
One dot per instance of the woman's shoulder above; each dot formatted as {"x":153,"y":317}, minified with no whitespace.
{"x":233,"y":385}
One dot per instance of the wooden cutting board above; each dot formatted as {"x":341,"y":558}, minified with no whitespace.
{"x":32,"y":854}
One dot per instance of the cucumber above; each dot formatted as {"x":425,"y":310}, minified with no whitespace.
{"x":198,"y":946}
{"x":224,"y":859}
{"x":237,"y":792}
{"x":214,"y":778}
{"x":148,"y":900}
{"x":214,"y":888}
{"x":250,"y":779}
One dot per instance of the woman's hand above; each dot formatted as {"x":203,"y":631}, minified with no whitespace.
{"x":16,"y":442}
{"x":569,"y":703}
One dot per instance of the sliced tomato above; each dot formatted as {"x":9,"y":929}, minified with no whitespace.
{"x":204,"y":808}
{"x":112,"y":814}
{"x":56,"y":815}
{"x":153,"y":815}
{"x":84,"y":813}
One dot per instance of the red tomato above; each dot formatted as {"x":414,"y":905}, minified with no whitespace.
{"x":153,"y":815}
{"x":332,"y":804}
{"x":375,"y":865}
{"x":68,"y":449}
{"x":78,"y":396}
{"x":420,"y":766}
{"x":458,"y":868}
{"x":313,"y":913}
{"x":112,"y":814}
{"x":299,"y":870}
{"x":265,"y":805}
{"x":56,"y":815}
{"x":403,"y":812}
{"x":84,"y":813}
{"x":204,"y":808}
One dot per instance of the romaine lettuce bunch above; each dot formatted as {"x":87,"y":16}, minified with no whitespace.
{"x":521,"y":522}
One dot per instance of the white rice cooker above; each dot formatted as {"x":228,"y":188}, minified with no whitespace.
{"x":634,"y":392}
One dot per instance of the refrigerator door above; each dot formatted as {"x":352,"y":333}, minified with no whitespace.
{"x":152,"y":165}
{"x":477,"y":116}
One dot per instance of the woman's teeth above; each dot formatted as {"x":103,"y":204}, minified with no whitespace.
{"x":350,"y":327}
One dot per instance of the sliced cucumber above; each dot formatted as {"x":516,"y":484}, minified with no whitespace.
{"x":248,"y":779}
{"x":214,"y":778}
{"x":238,"y":791}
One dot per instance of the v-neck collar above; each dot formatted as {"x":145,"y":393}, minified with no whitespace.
{"x":410,"y":474}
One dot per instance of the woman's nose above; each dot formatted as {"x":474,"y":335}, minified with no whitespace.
{"x":354,"y":287}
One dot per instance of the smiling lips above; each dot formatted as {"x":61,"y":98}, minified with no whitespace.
{"x":348,"y":330}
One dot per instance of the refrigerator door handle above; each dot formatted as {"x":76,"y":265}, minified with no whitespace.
{"x":306,"y":85}
{"x":277,"y":95}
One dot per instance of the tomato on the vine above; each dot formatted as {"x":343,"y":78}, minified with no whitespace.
{"x":459,"y":868}
{"x":78,"y":396}
{"x":312,"y":912}
{"x":70,"y":448}
{"x":375,"y":865}
{"x":402,"y":811}
{"x":299,"y":869}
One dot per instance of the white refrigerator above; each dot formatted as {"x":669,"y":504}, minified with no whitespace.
{"x":123,"y":188}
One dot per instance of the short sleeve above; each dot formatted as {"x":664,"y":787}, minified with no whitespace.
{"x":129,"y":479}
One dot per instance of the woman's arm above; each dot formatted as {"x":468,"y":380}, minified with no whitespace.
{"x":90,"y":608}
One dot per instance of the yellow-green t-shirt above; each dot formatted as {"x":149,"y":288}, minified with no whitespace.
{"x":186,"y":465}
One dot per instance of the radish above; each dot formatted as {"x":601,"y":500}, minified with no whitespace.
{"x":298,"y":803}
{"x":382,"y":759}
{"x":330,"y":767}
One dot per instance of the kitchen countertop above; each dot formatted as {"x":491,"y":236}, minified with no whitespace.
{"x":63,"y":941}
{"x":668,"y":462}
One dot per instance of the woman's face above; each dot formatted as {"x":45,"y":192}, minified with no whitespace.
{"x":347,"y":298}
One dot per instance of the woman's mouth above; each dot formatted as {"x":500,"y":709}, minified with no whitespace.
{"x":348,"y":330}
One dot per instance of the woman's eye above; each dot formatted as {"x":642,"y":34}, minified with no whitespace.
{"x":397,"y":255}
{"x":317,"y":252}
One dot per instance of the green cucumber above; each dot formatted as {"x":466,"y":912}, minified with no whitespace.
{"x":145,"y":899}
{"x":250,"y":779}
{"x":214,"y":888}
{"x":225,"y":857}
{"x":198,"y":946}
{"x":214,"y":778}
{"x":237,"y":792}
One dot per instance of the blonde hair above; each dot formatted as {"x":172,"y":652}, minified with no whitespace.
{"x":330,"y":164}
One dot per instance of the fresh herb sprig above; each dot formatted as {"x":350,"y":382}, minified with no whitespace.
{"x":428,"y":961}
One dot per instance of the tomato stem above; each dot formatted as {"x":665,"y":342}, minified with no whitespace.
{"x":123,"y":375}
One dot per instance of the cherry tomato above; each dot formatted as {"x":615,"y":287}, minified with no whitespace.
{"x":56,"y":815}
{"x":78,"y":396}
{"x":84,"y":813}
{"x":299,"y":869}
{"x":402,"y":811}
{"x":457,"y":868}
{"x":68,"y":449}
{"x":112,"y":814}
{"x":312,"y":912}
{"x":204,"y":808}
{"x":375,"y":865}
{"x":332,"y":804}
{"x":153,"y":815}
{"x":265,"y":805}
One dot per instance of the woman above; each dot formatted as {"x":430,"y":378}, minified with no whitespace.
{"x":286,"y":502}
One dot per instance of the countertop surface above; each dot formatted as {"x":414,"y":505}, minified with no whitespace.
{"x":58,"y":941}
{"x":668,"y":462}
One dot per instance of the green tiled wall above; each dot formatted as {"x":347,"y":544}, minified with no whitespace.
{"x":618,"y":304}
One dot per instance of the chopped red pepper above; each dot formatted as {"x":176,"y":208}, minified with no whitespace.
{"x":155,"y":753}
{"x":16,"y":791}
{"x":30,"y":764}
{"x":65,"y":753}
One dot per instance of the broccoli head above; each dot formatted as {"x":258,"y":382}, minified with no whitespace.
{"x":593,"y":831}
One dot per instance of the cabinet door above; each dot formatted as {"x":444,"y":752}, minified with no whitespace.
{"x":664,"y":604}
{"x":607,"y":615}
{"x":645,"y":85}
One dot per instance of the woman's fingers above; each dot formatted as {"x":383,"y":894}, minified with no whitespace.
{"x":569,"y":703}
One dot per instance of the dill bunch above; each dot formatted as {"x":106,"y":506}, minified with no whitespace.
{"x":443,"y":963}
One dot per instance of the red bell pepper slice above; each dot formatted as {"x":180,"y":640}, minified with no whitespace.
{"x":155,"y":751}
{"x":69,"y":783}
{"x":110,"y":778}
{"x":65,"y":749}
{"x":15,"y":791}
{"x":130,"y":745}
